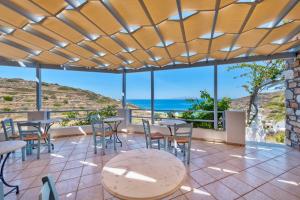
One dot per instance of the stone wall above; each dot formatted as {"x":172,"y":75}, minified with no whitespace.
{"x":292,"y":95}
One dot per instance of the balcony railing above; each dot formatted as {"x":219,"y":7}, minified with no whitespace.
{"x":135,"y":116}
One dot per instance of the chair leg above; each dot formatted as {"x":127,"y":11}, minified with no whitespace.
{"x":188,"y":154}
{"x":103,"y":145}
{"x":175,"y":148}
{"x":49,"y":144}
{"x":158,"y":141}
{"x":184,"y":149}
{"x":38,"y":149}
{"x":95,"y":144}
{"x":23,"y":153}
{"x":150,"y":143}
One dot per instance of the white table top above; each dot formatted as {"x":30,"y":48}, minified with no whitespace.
{"x":10,"y":146}
{"x":171,"y":122}
{"x":113,"y":119}
{"x":143,"y":174}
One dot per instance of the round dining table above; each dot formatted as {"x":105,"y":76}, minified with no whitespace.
{"x":6,"y":147}
{"x":143,"y":174}
{"x":171,"y":123}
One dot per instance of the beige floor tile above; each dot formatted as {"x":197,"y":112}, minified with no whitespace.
{"x":89,"y":181}
{"x":67,"y":186}
{"x":236,"y":185}
{"x":202,"y":177}
{"x":220,"y":191}
{"x":275,"y":192}
{"x":70,"y":173}
{"x":199,"y":194}
{"x":256,"y":195}
{"x":92,"y":193}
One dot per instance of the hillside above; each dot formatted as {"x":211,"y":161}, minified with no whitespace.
{"x":19,"y":95}
{"x":271,"y":105}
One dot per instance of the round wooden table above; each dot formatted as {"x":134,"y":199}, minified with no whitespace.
{"x":143,"y":174}
{"x":7,"y":147}
{"x":171,"y":123}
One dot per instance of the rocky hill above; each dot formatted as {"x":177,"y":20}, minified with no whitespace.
{"x":19,"y":95}
{"x":271,"y":105}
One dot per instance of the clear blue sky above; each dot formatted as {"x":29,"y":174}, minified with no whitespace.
{"x":181,"y":83}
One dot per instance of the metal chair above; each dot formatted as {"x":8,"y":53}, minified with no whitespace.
{"x":183,"y":139}
{"x":48,"y":191}
{"x":100,"y":130}
{"x":9,"y":129}
{"x":152,"y":136}
{"x":31,"y":132}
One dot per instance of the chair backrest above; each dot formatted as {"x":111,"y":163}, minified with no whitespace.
{"x":8,"y":127}
{"x":48,"y":191}
{"x":146,"y":126}
{"x":1,"y":191}
{"x":183,"y":130}
{"x":29,"y":128}
{"x":97,"y":123}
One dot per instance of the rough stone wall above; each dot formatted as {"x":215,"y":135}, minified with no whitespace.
{"x":292,"y":101}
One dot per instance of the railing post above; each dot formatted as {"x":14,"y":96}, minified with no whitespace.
{"x":152,"y":96}
{"x":38,"y":80}
{"x":215,"y":97}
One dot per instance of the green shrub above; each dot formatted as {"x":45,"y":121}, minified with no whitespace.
{"x":65,"y":101}
{"x":8,"y":98}
{"x":6,"y":110}
{"x":277,"y":137}
{"x":57,"y":105}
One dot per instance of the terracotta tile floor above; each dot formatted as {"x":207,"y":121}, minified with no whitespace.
{"x":217,"y":171}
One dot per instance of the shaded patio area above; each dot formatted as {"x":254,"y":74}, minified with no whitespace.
{"x":217,"y":170}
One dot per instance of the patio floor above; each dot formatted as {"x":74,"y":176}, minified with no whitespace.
{"x":217,"y":171}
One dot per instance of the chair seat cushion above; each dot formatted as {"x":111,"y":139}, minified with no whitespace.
{"x":179,"y":139}
{"x":156,"y":135}
{"x":34,"y":137}
{"x":14,"y":136}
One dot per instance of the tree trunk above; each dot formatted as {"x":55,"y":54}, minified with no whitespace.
{"x":252,"y":104}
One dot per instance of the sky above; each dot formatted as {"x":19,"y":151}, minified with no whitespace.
{"x":169,"y":84}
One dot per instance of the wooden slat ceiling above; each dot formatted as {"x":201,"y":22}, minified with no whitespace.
{"x":111,"y":34}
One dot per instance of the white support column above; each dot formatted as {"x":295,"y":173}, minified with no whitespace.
{"x":38,"y":80}
{"x":124,"y":89}
{"x":215,"y":97}
{"x":152,"y":96}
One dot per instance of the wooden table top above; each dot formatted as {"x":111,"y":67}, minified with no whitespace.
{"x":143,"y":174}
{"x":10,"y":146}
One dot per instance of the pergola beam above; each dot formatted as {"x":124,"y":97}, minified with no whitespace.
{"x":283,"y":55}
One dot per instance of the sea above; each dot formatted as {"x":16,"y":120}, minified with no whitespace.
{"x":161,"y":104}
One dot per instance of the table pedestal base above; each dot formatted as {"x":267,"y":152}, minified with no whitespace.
{"x":14,"y":187}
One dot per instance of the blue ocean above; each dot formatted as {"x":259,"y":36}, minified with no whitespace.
{"x":161,"y":104}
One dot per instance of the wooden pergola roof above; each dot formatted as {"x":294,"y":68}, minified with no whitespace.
{"x":142,"y":35}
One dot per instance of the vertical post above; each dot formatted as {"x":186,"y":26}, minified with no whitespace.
{"x":215,"y":97}
{"x":152,"y":96}
{"x":124,"y":94}
{"x":38,"y":80}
